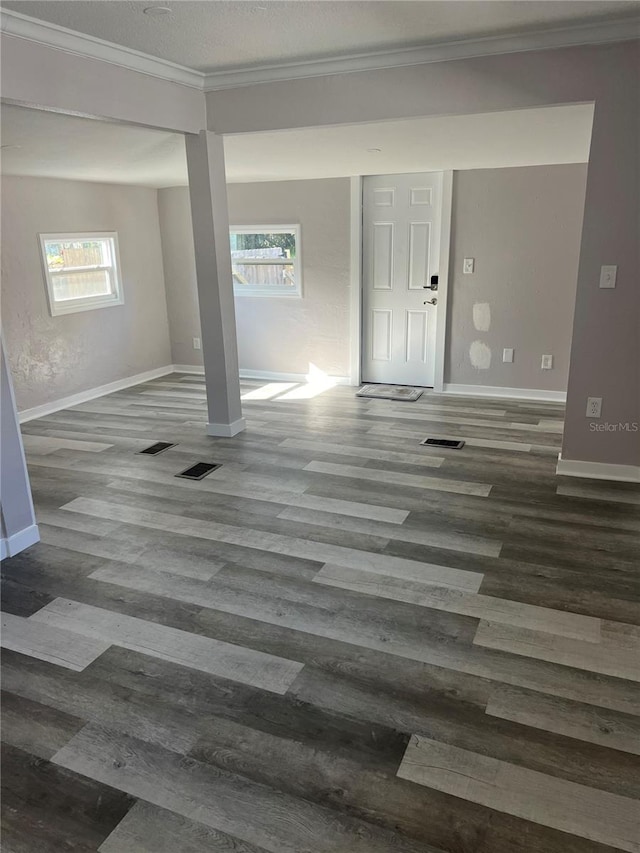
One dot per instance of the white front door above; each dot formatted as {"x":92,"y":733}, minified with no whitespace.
{"x":401,"y":241}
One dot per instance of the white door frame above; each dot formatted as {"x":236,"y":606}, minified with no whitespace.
{"x":356,"y":284}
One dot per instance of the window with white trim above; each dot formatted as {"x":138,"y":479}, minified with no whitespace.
{"x":265,"y":260}
{"x":82,"y":271}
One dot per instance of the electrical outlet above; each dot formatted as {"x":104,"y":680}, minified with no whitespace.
{"x":608,"y":274}
{"x":547,"y":362}
{"x":468,"y":266}
{"x":196,"y":343}
{"x":594,"y":407}
{"x":507,"y":355}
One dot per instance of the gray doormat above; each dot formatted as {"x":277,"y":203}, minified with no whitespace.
{"x":390,"y":392}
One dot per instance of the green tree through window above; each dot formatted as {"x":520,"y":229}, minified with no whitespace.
{"x":286,"y":242}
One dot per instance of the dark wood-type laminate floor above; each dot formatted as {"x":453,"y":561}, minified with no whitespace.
{"x":338,"y":642}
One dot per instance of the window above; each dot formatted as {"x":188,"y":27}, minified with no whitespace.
{"x":266,"y":260}
{"x":82,"y":271}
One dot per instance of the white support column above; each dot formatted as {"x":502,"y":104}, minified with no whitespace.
{"x":209,"y":214}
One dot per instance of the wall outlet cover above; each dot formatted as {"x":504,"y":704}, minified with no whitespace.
{"x":594,"y":407}
{"x":507,"y":355}
{"x":547,"y":362}
{"x":608,"y":274}
{"x":468,"y":266}
{"x":197,"y":344}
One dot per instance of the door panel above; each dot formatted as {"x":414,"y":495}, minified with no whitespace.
{"x":417,"y":337}
{"x":381,"y":335}
{"x":419,"y":254}
{"x":383,"y":197}
{"x":382,"y":255}
{"x":401,"y":238}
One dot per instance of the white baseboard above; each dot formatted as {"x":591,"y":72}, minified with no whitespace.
{"x":270,"y":376}
{"x":598,"y":470}
{"x":197,"y":369}
{"x":506,"y":393}
{"x":92,"y":393}
{"x":12,"y":545}
{"x":227,"y":430}
{"x":263,"y":375}
{"x":147,"y":376}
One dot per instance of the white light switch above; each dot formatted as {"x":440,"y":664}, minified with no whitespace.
{"x":547,"y":362}
{"x":468,"y":266}
{"x":608,"y":275}
{"x":507,"y":354}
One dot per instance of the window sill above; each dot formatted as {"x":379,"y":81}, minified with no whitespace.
{"x":57,"y":310}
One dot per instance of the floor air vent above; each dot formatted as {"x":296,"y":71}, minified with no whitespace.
{"x":198,"y":471}
{"x":451,"y":443}
{"x":158,"y":447}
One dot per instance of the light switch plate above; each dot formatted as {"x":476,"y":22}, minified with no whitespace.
{"x":197,"y":344}
{"x":547,"y":362}
{"x":507,"y":355}
{"x":608,"y":274}
{"x":468,"y":266}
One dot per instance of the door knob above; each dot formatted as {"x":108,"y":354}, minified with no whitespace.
{"x":433,"y":301}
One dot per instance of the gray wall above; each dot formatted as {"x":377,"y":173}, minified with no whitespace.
{"x":53,"y":357}
{"x":522,"y":226}
{"x":280,"y":335}
{"x":605,"y":357}
{"x":179,"y":274}
{"x":605,"y":353}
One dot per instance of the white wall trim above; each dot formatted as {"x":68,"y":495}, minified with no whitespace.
{"x":22,"y":26}
{"x":12,"y":545}
{"x":60,"y":38}
{"x":597,"y":470}
{"x":271,"y":376}
{"x":355,"y":282}
{"x":92,"y":393}
{"x":147,"y":376}
{"x":227,"y":430}
{"x":263,"y":375}
{"x":446,"y":213}
{"x":507,"y":393}
{"x":592,"y":33}
{"x":197,"y":369}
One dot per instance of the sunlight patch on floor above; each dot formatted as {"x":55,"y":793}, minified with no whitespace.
{"x":268,"y":391}
{"x":317,"y":382}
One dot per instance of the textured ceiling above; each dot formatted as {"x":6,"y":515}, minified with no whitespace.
{"x":52,"y":145}
{"x":59,"y":146}
{"x":491,"y":140}
{"x":213,"y":35}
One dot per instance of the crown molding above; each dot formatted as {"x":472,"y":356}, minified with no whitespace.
{"x":22,"y":26}
{"x":584,"y":34}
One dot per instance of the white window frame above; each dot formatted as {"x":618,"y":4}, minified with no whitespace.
{"x":116,"y":297}
{"x":264,"y":291}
